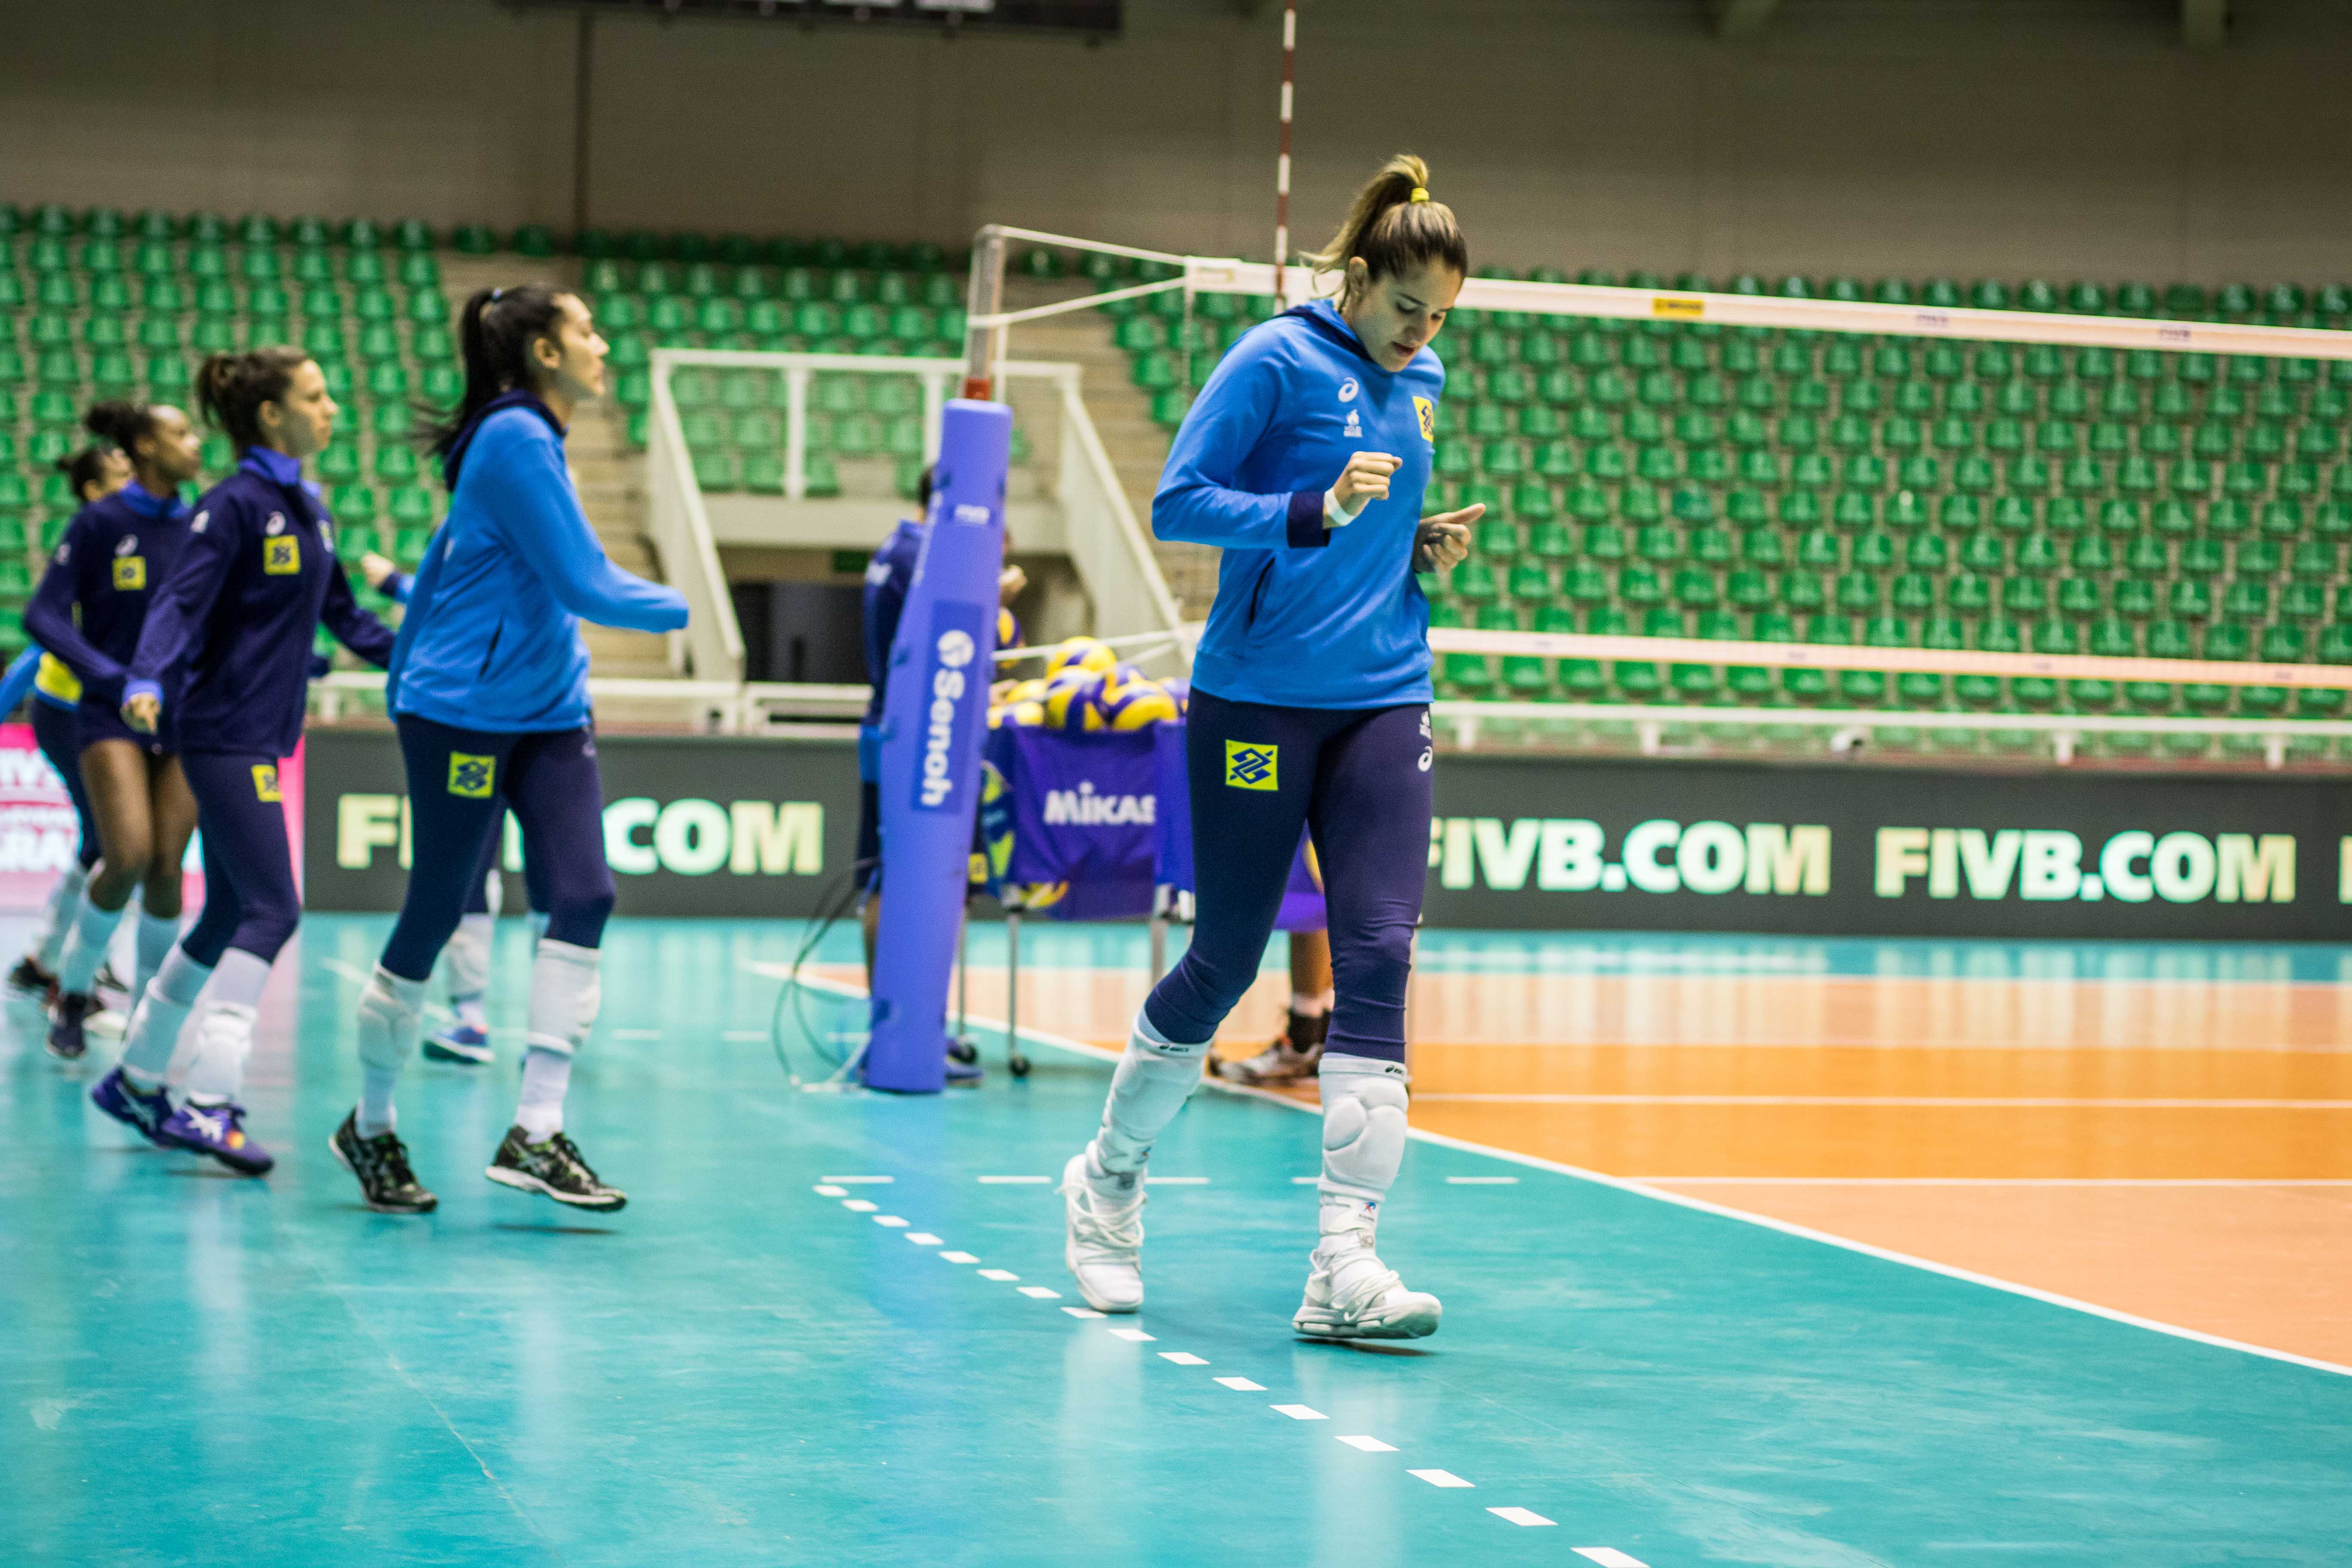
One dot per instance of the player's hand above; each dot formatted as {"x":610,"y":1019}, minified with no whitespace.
{"x":376,"y":568}
{"x":1009,"y":583}
{"x":1443,"y":542}
{"x":1364,"y":479}
{"x":141,"y":712}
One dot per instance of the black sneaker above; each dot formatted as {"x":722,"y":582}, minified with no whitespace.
{"x":554,"y":1168}
{"x":67,"y":1015}
{"x":381,"y":1164}
{"x":29,"y":981}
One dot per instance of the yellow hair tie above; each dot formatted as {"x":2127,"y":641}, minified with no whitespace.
{"x":1418,"y":195}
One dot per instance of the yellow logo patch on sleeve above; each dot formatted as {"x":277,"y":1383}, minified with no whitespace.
{"x":472,"y":776}
{"x":282,"y":557}
{"x":129,"y":573}
{"x":1249,"y":765}
{"x":265,"y":782}
{"x":1428,"y":411}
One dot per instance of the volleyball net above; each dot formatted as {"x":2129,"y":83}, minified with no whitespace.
{"x":1899,"y":506}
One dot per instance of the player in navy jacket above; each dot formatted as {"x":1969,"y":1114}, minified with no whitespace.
{"x":87,"y":611}
{"x":225,"y":659}
{"x":1306,"y":457}
{"x":490,"y":693}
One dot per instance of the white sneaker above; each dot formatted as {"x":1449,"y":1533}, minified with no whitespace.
{"x":1105,"y":1247}
{"x":1352,"y":1295}
{"x":1280,"y":1062}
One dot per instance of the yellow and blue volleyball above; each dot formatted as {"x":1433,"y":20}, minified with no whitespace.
{"x":1090,"y":654}
{"x":1026,"y":715}
{"x":1138,"y":705}
{"x":1073,"y":701}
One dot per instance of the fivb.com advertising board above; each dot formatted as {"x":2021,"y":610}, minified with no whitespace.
{"x":754,"y":826}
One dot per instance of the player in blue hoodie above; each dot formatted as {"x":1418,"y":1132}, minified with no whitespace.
{"x":1306,"y":457}
{"x":489,"y":692}
{"x":225,"y":658}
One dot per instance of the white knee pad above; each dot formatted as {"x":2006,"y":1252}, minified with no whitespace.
{"x":223,"y":1039}
{"x":468,"y":957}
{"x":391,"y":1017}
{"x":566,"y":992}
{"x":1153,"y":1079}
{"x":1363,"y":1126}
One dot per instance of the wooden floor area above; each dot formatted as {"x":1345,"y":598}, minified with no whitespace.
{"x":2164,"y":1132}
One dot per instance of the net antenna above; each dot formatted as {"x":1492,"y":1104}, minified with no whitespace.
{"x":1282,"y":161}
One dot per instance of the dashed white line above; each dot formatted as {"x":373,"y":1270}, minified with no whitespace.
{"x":1304,"y":1181}
{"x":1175,"y":1181}
{"x":1243,"y":1386}
{"x":858,"y":1205}
{"x":1440,"y":1477}
{"x":1369,"y":1445}
{"x":959,"y":1257}
{"x":1521,"y":1516}
{"x":1133,"y":1336}
{"x":1014,"y":1181}
{"x":893,"y":1221}
{"x":1183,"y":1358}
{"x":1040,"y":1293}
{"x":826,"y":1190}
{"x":1082,"y":1311}
{"x":860,"y":1181}
{"x":1607,"y":1556}
{"x":1482,"y":1182}
{"x":1302,"y":1412}
{"x":1001,"y":1276}
{"x":742,"y":1034}
{"x":923,"y":1238}
{"x":637,"y":1033}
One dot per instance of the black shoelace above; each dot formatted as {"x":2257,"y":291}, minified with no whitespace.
{"x":570,"y":1155}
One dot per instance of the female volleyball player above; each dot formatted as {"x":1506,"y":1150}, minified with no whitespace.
{"x":89,"y":610}
{"x":225,"y":658}
{"x":95,"y":472}
{"x":490,"y":691}
{"x":1306,"y":457}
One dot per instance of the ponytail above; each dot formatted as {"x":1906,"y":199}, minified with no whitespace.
{"x":125,"y":424}
{"x":1394,"y":225}
{"x":231,"y":389}
{"x":495,"y":331}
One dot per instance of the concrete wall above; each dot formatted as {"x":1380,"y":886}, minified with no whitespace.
{"x":2009,"y":137}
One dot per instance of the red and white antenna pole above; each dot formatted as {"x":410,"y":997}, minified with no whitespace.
{"x":1282,"y":163}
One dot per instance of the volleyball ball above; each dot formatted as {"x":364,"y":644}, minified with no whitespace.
{"x":1090,"y":654}
{"x":1072,"y":702}
{"x":1026,"y":715}
{"x":1139,"y":705}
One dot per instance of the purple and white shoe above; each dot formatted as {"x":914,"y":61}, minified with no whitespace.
{"x":217,"y":1130}
{"x":120,"y":1098}
{"x":460,"y":1042}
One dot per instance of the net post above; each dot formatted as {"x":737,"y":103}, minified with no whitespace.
{"x":984,"y":346}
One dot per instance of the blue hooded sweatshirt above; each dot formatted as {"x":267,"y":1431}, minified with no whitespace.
{"x":1305,"y":616}
{"x":491,"y":641}
{"x":115,"y":553}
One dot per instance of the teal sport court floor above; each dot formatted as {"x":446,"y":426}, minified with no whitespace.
{"x":835,"y":1329}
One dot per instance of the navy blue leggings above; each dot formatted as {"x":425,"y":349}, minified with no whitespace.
{"x":477,"y":895}
{"x":58,"y":732}
{"x":251,"y":902}
{"x":461,"y":783}
{"x":1358,"y":779}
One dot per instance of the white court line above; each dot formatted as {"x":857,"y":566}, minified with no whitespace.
{"x":959,"y":1256}
{"x":1305,"y":1181}
{"x":1014,"y":1181}
{"x":860,"y":1181}
{"x":1369,"y":1445}
{"x":826,"y":1190}
{"x":637,"y":1033}
{"x":1183,"y":1358}
{"x":1082,"y":1312}
{"x":742,"y":1034}
{"x":1001,"y":1276}
{"x":1134,"y":1336}
{"x":1302,"y":1412}
{"x":1921,"y":1101}
{"x":1639,"y":1188}
{"x":893,"y":1221}
{"x":1440,"y":1477}
{"x":1609,"y":1557}
{"x":2002,"y":1181}
{"x":1039,"y":1292}
{"x":1176,"y":1181}
{"x":858,"y":1205}
{"x":1482,"y":1181}
{"x":1521,"y":1516}
{"x":1242,"y":1385}
{"x":923,"y":1238}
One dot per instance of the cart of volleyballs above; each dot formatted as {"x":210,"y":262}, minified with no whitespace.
{"x":1084,"y":807}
